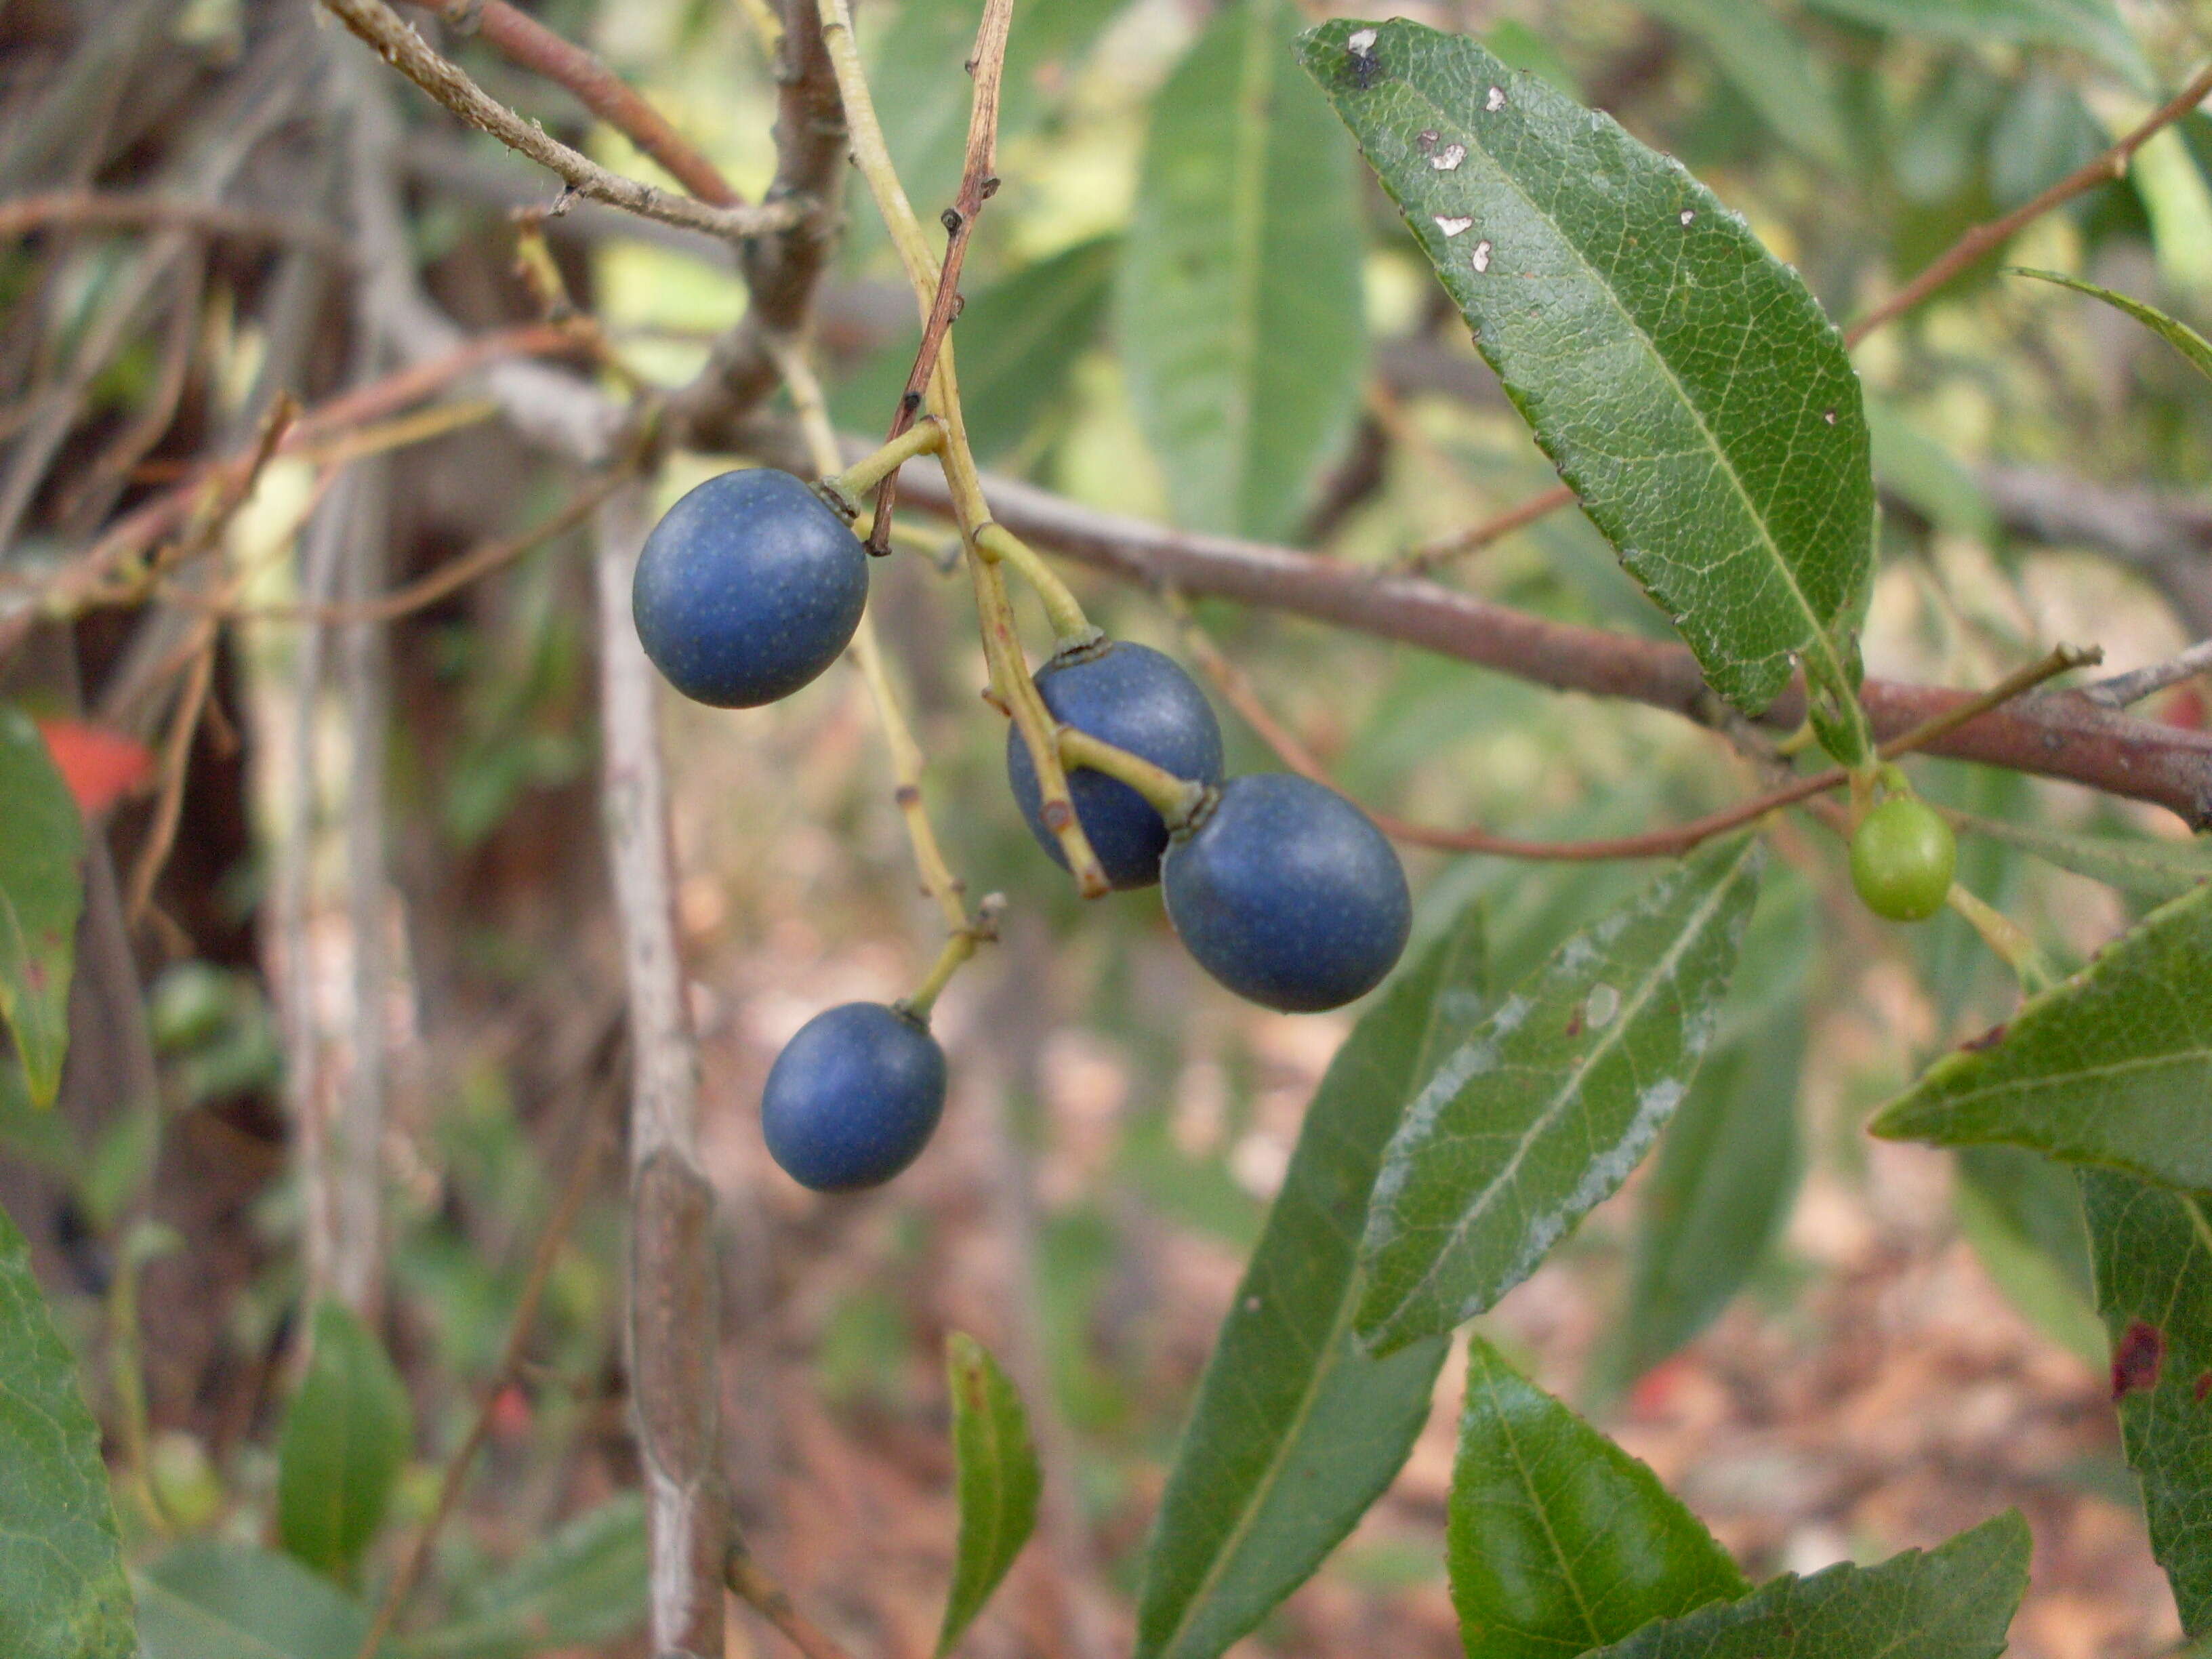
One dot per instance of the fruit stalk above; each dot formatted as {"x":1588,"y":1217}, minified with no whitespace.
{"x":1010,"y":677}
{"x":2006,"y":938}
{"x":1175,"y":798}
{"x":924,"y":437}
{"x":1070,"y":627}
{"x":944,"y":888}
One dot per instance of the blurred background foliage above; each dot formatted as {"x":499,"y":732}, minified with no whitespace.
{"x":1119,"y":1124}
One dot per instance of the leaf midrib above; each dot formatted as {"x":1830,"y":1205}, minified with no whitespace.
{"x":1662,"y":971}
{"x":1331,"y":1352}
{"x":2046,"y":1080}
{"x":1832,"y":665}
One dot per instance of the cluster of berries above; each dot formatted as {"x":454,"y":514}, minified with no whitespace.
{"x":753,"y":584}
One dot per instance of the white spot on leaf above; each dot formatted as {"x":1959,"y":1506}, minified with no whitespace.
{"x":1449,"y":157}
{"x":1482,"y":257}
{"x":1496,"y":101}
{"x":1604,"y":1002}
{"x":1689,"y":215}
{"x":1359,"y":41}
{"x":1453,"y":227}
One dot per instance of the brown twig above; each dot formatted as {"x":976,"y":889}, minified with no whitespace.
{"x":448,"y":578}
{"x":139,"y":530}
{"x":2112,"y":165}
{"x":782,"y":272}
{"x":675,"y":1333}
{"x":395,"y":40}
{"x":752,"y":1583}
{"x":1429,"y":554}
{"x":979,"y":181}
{"x":2122,"y":690}
{"x":590,"y":1137}
{"x":2062,"y":735}
{"x":2104,"y":169}
{"x":26,"y":213}
{"x":1237,"y":689}
{"x":525,"y":41}
{"x":176,"y":757}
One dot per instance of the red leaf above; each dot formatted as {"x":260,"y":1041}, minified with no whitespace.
{"x":100,"y":764}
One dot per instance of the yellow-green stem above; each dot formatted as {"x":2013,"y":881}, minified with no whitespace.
{"x":907,"y":759}
{"x":958,"y":949}
{"x":1069,"y":625}
{"x":1011,"y":683}
{"x":924,"y":437}
{"x":1175,"y":798}
{"x":2006,"y":938}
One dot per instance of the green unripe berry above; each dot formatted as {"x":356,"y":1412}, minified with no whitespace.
{"x":1902,"y":858}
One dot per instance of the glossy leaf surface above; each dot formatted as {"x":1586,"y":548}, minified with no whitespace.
{"x":2153,"y":1248}
{"x":1546,"y":1106}
{"x":1951,"y":1602}
{"x":62,"y":1587}
{"x":2113,"y":1067}
{"x":997,"y":1478}
{"x":1686,"y":382}
{"x":1295,"y":1431}
{"x":1558,"y":1541}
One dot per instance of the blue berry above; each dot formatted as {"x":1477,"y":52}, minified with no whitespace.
{"x":853,"y":1099}
{"x":748,"y":588}
{"x":1133,"y":697}
{"x":1288,"y":894}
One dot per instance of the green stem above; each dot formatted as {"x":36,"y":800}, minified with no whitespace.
{"x":1175,"y":798}
{"x":958,"y":949}
{"x":1070,"y":627}
{"x":924,"y":437}
{"x":2005,"y":936}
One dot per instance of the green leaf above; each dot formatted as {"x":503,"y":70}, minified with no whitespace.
{"x":1558,"y":1541}
{"x":63,"y":1595}
{"x":1296,"y":1431}
{"x":923,"y":97}
{"x":2172,"y":330}
{"x":1774,"y":70}
{"x":582,"y":1587}
{"x":2153,"y":1254}
{"x":345,"y":1440}
{"x":1239,"y":308}
{"x":1546,"y":1106}
{"x":213,"y":1600}
{"x":2111,"y":1068}
{"x":1726,"y":1170}
{"x":999,"y":1479}
{"x":2138,"y":865}
{"x":42,"y":890}
{"x":2090,"y":26}
{"x":1953,"y":1602}
{"x":2022,"y":1214}
{"x":1727,"y":1165}
{"x":1685,"y":380}
{"x":1927,"y":477}
{"x":1018,"y":341}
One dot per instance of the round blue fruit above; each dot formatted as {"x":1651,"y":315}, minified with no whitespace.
{"x":853,"y":1099}
{"x":1289,"y":895}
{"x":1133,"y":697}
{"x":748,"y":588}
